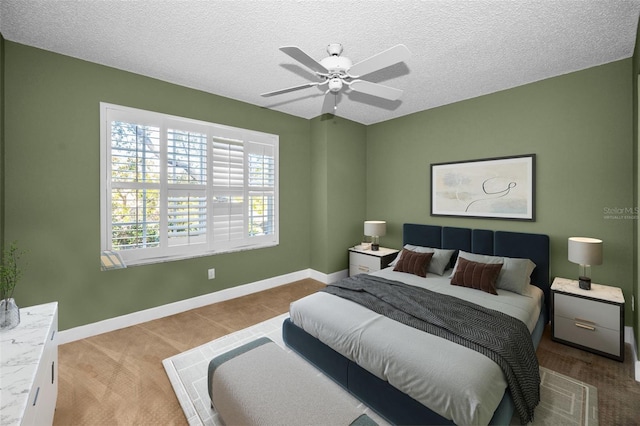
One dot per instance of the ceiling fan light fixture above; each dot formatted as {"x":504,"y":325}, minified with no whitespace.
{"x":335,"y":84}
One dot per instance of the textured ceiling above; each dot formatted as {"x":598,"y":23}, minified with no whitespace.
{"x":460,"y":49}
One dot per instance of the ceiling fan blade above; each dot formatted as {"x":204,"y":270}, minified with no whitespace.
{"x":376,"y":89}
{"x":306,"y":60}
{"x":398,"y":53}
{"x":289,"y":89}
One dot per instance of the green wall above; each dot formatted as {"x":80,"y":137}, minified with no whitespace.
{"x":580,"y":126}
{"x":636,"y":181}
{"x":334,"y":175}
{"x":338,"y":185}
{"x":347,"y":195}
{"x":1,"y":144}
{"x":319,"y":218}
{"x":52,"y":187}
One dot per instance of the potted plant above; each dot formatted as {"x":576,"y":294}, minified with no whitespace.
{"x":10,"y":273}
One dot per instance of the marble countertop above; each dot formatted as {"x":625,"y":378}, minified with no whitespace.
{"x":598,"y":291}
{"x":383,"y":251}
{"x":21,"y":349}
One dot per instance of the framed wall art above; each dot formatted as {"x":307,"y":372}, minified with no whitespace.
{"x":498,"y":188}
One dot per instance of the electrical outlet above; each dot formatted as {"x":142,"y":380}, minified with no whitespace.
{"x":212,"y":273}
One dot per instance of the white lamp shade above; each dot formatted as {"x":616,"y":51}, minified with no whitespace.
{"x":375,"y":228}
{"x":585,"y":251}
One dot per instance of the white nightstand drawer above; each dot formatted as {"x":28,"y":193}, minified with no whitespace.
{"x":587,"y":311}
{"x":363,"y":263}
{"x":587,"y":335}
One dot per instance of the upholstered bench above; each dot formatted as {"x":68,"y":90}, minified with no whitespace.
{"x":259,"y":383}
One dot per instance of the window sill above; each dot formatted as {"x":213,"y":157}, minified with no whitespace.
{"x":164,"y":259}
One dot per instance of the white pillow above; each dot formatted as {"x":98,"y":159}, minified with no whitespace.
{"x":515,"y":274}
{"x":439,"y":261}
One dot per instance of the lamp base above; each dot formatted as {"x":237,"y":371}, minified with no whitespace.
{"x":375,"y":247}
{"x":584,"y":283}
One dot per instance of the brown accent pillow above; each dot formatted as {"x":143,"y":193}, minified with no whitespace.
{"x":413,"y":262}
{"x":481,"y":276}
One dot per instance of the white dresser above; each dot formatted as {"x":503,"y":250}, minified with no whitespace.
{"x":29,"y":367}
{"x":592,"y":320}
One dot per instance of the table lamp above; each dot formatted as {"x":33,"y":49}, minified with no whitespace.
{"x":375,"y":229}
{"x":585,"y":252}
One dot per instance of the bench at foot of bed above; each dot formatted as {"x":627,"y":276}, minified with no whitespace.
{"x":259,"y":384}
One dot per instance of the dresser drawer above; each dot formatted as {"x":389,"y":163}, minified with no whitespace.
{"x":587,"y":335}
{"x":41,"y":404}
{"x":586,"y":311}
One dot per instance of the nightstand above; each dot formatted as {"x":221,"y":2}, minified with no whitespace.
{"x":367,"y":261}
{"x":592,"y":320}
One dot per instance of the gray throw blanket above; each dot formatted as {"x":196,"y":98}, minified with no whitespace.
{"x":500,"y":337}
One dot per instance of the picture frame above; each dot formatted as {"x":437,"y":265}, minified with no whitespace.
{"x":495,"y":188}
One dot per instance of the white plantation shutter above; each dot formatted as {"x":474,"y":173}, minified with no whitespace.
{"x":187,"y":218}
{"x":228,"y":190}
{"x":261,"y":188}
{"x":176,"y":188}
{"x":187,"y":188}
{"x":186,"y":157}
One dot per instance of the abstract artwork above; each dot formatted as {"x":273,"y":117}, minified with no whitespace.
{"x":499,"y":188}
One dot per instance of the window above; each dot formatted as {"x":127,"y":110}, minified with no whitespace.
{"x":174,"y":188}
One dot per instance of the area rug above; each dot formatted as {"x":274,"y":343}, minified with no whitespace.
{"x":187,"y":372}
{"x":564,"y":401}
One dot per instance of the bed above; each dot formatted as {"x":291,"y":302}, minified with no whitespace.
{"x":394,"y":368}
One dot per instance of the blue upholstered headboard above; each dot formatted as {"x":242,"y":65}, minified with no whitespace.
{"x":483,"y":241}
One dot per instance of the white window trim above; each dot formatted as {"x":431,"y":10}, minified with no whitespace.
{"x":108,"y":112}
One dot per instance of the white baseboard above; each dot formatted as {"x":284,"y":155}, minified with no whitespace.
{"x":331,"y":278}
{"x":629,"y":337}
{"x":112,"y":324}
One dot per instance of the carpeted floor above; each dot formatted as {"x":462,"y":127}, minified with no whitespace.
{"x":564,"y":401}
{"x":619,"y":392}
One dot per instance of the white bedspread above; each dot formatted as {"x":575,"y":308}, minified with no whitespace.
{"x":458,"y":383}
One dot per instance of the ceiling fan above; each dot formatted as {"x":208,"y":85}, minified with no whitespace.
{"x":336,"y":72}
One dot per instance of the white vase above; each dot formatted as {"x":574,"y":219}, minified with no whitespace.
{"x":9,"y":314}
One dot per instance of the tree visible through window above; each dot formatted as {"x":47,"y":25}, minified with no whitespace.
{"x":135,"y":185}
{"x":176,"y":187}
